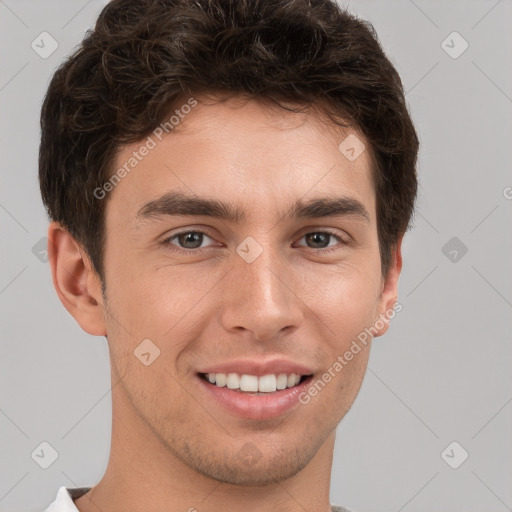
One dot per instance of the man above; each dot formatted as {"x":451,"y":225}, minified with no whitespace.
{"x":229,"y":183}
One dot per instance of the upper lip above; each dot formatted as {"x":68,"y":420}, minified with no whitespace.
{"x":259,"y":368}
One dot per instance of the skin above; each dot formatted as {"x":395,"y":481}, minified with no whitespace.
{"x":172,"y":449}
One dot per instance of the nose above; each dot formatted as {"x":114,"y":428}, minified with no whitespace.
{"x":262,"y":297}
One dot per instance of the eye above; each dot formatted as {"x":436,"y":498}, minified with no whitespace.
{"x":192,"y":241}
{"x":320,"y":240}
{"x":187,"y":240}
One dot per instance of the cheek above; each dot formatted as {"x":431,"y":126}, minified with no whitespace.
{"x":157,"y":302}
{"x":344,"y":301}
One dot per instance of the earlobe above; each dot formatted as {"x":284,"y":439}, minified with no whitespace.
{"x":74,"y":279}
{"x":389,"y":291}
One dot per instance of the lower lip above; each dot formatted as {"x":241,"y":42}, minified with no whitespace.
{"x":256,"y":407}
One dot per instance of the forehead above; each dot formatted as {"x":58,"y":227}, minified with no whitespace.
{"x":245,"y":152}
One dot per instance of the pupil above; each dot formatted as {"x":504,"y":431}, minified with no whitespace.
{"x":193,"y":238}
{"x":319,"y":237}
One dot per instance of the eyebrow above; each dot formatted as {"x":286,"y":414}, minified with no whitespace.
{"x":176,"y":203}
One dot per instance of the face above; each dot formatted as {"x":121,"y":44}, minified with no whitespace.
{"x":282,"y":287}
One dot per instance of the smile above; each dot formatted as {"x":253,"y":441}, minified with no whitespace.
{"x":246,"y":403}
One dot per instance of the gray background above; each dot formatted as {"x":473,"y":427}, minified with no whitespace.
{"x":441,"y":374}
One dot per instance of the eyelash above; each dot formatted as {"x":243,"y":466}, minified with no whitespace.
{"x":167,"y":241}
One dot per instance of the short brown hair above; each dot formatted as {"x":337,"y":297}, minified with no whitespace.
{"x":143,"y":56}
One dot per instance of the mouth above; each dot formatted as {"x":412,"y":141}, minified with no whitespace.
{"x":265,"y":385}
{"x":252,"y":397}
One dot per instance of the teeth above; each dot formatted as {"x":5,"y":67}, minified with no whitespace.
{"x":233,"y":381}
{"x":282,"y":381}
{"x":252,"y":383}
{"x":291,"y":380}
{"x":267,"y":384}
{"x":219,"y":379}
{"x":249,"y":383}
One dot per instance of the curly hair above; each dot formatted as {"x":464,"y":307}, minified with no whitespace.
{"x":144,"y":56}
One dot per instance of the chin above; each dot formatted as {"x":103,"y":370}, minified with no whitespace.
{"x":251,"y":468}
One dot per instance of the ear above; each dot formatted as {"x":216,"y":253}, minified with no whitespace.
{"x":389,"y":291}
{"x":76,"y":283}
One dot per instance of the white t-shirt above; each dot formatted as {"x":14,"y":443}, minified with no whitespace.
{"x":64,"y":500}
